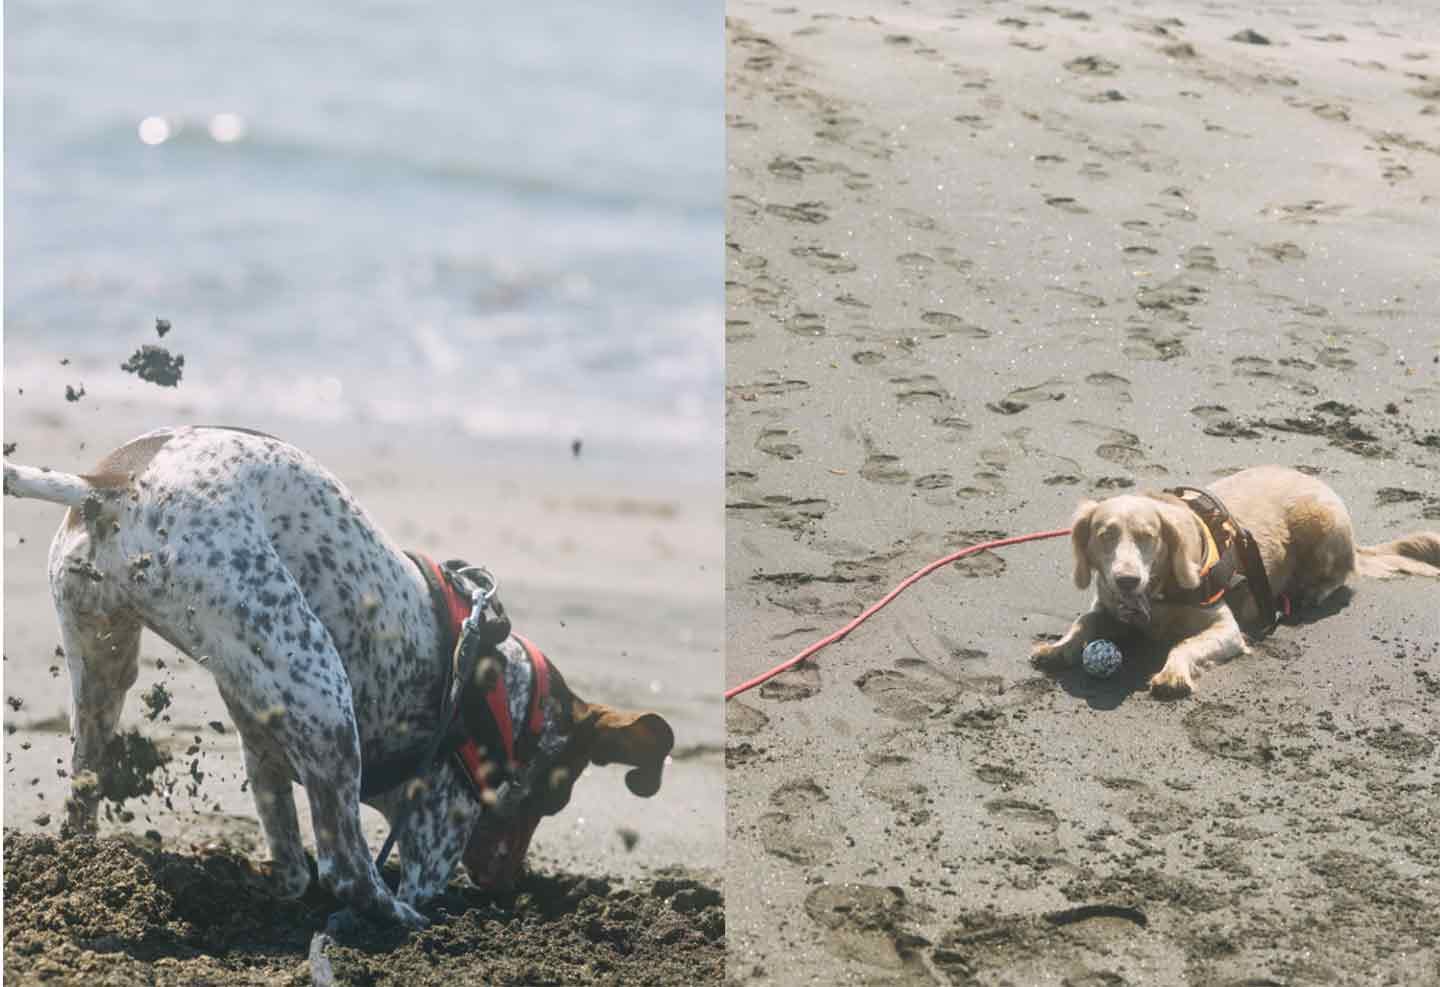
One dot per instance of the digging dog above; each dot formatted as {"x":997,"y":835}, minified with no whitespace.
{"x":322,"y":634}
{"x":1150,"y":556}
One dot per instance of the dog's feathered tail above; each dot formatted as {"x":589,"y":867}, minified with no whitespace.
{"x":42,"y":484}
{"x":1415,"y":554}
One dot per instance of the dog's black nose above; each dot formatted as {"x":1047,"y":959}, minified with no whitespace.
{"x":1128,"y":583}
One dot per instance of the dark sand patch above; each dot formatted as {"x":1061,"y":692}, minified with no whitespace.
{"x":116,"y":911}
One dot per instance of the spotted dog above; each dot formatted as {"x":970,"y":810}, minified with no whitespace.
{"x":1154,"y":560}
{"x":248,"y":556}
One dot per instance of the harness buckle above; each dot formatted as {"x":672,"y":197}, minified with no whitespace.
{"x":487,"y":623}
{"x":483,"y":588}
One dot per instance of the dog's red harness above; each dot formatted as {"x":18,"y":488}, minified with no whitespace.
{"x":468,"y":755}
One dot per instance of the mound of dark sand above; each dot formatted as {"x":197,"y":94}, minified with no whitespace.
{"x":114,"y":911}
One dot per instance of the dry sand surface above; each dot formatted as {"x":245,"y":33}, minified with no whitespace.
{"x":610,"y":565}
{"x":984,"y":261}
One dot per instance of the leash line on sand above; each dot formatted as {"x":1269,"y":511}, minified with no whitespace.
{"x":884,"y":601}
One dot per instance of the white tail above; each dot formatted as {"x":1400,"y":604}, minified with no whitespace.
{"x":41,"y":484}
{"x":1416,"y":554}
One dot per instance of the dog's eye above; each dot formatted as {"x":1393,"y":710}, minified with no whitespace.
{"x":1108,"y":534}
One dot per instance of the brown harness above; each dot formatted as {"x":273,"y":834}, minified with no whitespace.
{"x":1232,"y":557}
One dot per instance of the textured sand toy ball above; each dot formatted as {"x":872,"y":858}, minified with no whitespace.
{"x":1101,"y":658}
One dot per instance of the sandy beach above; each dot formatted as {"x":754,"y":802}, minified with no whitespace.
{"x":612,"y":565}
{"x":984,"y":262}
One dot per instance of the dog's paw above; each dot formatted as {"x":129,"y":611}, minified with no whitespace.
{"x":407,"y":916}
{"x":1053,"y":655}
{"x":286,"y":883}
{"x":1171,"y":684}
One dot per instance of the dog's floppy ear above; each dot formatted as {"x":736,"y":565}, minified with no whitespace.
{"x":1079,"y":538}
{"x":1183,"y":541}
{"x":641,"y":740}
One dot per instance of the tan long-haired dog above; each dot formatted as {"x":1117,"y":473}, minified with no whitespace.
{"x":1144,"y":550}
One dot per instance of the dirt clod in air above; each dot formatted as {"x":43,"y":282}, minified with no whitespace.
{"x":156,"y":365}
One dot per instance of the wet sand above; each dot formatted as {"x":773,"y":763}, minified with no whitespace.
{"x":984,"y":262}
{"x":611,"y":566}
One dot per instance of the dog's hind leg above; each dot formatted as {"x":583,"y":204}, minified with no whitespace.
{"x":281,"y":677}
{"x":103,"y":657}
{"x":271,"y":785}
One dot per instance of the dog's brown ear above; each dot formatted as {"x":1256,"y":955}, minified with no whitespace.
{"x":641,"y":740}
{"x":1183,"y":541}
{"x":1079,"y":538}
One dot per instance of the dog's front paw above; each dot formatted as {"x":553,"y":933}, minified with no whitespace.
{"x":1054,"y":655}
{"x":1171,"y":683}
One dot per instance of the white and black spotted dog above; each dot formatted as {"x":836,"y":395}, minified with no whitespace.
{"x":247,"y":555}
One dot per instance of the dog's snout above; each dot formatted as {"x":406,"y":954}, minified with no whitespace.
{"x":1128,"y":584}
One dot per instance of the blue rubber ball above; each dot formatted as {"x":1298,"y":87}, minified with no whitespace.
{"x":1101,"y":658}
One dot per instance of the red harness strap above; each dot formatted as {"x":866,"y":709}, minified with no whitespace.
{"x":498,"y":698}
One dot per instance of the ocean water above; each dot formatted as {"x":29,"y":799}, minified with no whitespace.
{"x":505,"y":218}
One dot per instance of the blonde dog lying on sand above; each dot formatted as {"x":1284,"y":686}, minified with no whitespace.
{"x":1151,"y":552}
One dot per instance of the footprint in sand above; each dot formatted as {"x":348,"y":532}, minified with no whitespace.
{"x":1200,"y":258}
{"x":1127,"y":456}
{"x":951,"y":258}
{"x":1223,"y":731}
{"x":983,"y":484}
{"x":743,"y":720}
{"x":824,"y":260}
{"x":914,"y":220}
{"x":867,"y":358}
{"x":954,"y":325}
{"x":919,"y":389}
{"x":934,"y":481}
{"x":1084,"y":942}
{"x":776,"y":442}
{"x":883,"y":468}
{"x":793,"y":684}
{"x":916,"y":263}
{"x":1170,"y":297}
{"x":800,"y":830}
{"x":807,"y":324}
{"x":780,"y":511}
{"x":743,"y":205}
{"x":890,"y":781}
{"x":1030,"y":826}
{"x":769,"y":388}
{"x":954,"y":425}
{"x":786,"y":169}
{"x":1144,"y":344}
{"x":1092,"y":65}
{"x":1112,"y":385}
{"x":980,"y":565}
{"x":901,"y":696}
{"x":1052,"y":389}
{"x":1284,"y":250}
{"x":1066,"y":203}
{"x":866,"y":924}
{"x":801,"y":212}
{"x":1003,"y":776}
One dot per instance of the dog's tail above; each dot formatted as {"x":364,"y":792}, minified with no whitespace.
{"x":46,"y":484}
{"x":1416,"y":554}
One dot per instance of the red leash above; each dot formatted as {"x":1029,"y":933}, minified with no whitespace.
{"x":884,"y":601}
